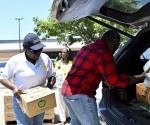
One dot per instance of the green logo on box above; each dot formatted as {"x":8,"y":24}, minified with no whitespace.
{"x":42,"y":103}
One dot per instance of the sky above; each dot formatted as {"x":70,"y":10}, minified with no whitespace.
{"x":27,"y":9}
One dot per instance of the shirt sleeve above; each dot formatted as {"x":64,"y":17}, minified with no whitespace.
{"x":107,"y":68}
{"x":8,"y":69}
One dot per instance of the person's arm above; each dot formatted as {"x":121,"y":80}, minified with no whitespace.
{"x":107,"y":68}
{"x":11,"y":86}
{"x":51,"y":74}
{"x":8,"y":84}
{"x":7,"y":74}
{"x":137,"y":78}
{"x":51,"y":82}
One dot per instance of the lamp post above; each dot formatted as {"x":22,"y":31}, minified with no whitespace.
{"x":19,"y":19}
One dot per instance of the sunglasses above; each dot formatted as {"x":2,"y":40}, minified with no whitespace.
{"x":36,"y":51}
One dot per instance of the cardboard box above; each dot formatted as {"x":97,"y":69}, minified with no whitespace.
{"x":8,"y":108}
{"x":8,"y":99}
{"x":143,"y":93}
{"x":49,"y":114}
{"x":10,"y":116}
{"x":37,"y":100}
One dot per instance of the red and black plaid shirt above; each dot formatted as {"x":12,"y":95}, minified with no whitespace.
{"x":93,"y":63}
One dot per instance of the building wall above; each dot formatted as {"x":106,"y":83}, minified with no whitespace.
{"x":11,"y":47}
{"x":4,"y":56}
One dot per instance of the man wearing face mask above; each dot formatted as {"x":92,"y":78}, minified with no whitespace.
{"x":28,"y":69}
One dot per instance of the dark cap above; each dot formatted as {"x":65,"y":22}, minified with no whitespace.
{"x":32,"y":41}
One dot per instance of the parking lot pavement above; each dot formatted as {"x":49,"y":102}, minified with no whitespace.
{"x":55,"y":124}
{"x":49,"y":123}
{"x":45,"y":123}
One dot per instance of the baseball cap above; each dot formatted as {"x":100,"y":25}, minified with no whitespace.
{"x":32,"y":41}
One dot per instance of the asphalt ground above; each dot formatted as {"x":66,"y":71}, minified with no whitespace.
{"x":46,"y":122}
{"x":49,"y":123}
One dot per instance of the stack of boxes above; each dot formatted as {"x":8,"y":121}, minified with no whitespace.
{"x":9,"y":113}
{"x":6,"y":110}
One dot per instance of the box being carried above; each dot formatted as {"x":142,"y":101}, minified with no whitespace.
{"x":143,"y":93}
{"x":37,"y":100}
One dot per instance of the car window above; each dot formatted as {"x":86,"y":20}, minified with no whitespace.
{"x":127,"y":6}
{"x":146,"y":54}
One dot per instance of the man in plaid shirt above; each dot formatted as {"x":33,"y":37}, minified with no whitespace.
{"x":93,"y":63}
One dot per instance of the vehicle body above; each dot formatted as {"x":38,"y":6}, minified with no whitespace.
{"x":117,"y":106}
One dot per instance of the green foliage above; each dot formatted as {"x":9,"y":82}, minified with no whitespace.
{"x":87,"y":30}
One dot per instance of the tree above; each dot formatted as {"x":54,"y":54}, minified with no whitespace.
{"x":87,"y":30}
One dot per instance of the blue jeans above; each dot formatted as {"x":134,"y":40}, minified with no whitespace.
{"x":83,"y":110}
{"x":23,"y":119}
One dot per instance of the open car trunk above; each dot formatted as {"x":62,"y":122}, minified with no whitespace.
{"x":121,"y":105}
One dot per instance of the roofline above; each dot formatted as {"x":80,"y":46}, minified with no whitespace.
{"x":51,"y":45}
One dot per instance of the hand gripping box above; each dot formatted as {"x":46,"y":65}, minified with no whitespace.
{"x":37,"y":100}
